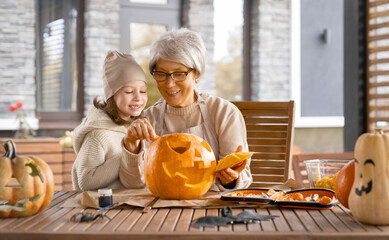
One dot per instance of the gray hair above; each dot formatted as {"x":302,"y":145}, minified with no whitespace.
{"x":183,"y":46}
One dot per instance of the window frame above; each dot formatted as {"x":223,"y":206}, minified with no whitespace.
{"x":130,"y":13}
{"x":247,"y":18}
{"x":65,"y":119}
{"x":295,"y":90}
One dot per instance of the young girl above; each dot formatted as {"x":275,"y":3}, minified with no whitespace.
{"x":98,"y":140}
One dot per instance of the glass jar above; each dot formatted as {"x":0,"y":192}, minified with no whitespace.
{"x":105,"y":197}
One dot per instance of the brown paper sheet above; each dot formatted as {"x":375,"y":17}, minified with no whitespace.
{"x":142,"y":197}
{"x":291,"y":184}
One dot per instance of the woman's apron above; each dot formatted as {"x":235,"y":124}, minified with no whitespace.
{"x":205,"y":130}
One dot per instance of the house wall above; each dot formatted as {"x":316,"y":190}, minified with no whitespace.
{"x":270,"y":54}
{"x":101,"y":35}
{"x":17,"y":59}
{"x":198,"y":15}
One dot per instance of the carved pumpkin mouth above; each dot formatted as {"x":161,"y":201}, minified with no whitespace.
{"x":181,"y":173}
{"x":20,"y":204}
{"x":364,"y":189}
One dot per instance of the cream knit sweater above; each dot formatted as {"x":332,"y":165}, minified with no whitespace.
{"x":229,"y":126}
{"x":97,"y":142}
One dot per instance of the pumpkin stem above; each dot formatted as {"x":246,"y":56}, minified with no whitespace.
{"x":10,"y":149}
{"x":379,"y":131}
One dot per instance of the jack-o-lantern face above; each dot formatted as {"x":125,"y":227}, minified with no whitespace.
{"x":369,"y":195}
{"x":179,"y":166}
{"x":26,"y":184}
{"x":366,"y":175}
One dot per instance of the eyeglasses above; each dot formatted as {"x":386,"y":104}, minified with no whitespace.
{"x":176,"y":76}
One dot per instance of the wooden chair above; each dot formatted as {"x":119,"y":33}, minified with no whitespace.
{"x":299,"y":170}
{"x":269,"y":135}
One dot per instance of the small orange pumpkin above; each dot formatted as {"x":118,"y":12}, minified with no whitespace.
{"x":343,"y":183}
{"x":32,"y":188}
{"x":179,"y":166}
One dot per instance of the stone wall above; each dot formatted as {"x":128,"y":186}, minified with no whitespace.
{"x":270,"y":57}
{"x":17,"y":57}
{"x":197,"y":15}
{"x":101,"y":35}
{"x":270,"y":48}
{"x":18,"y":53}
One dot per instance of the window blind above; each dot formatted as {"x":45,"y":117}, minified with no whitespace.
{"x":57,"y":77}
{"x":377,"y":65}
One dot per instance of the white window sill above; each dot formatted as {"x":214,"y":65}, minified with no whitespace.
{"x":318,"y":122}
{"x":13,"y":124}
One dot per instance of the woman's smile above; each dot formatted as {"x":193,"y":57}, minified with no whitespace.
{"x":173,"y":92}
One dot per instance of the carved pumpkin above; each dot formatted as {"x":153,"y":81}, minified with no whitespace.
{"x":26,"y":184}
{"x":179,"y":166}
{"x":369,"y":196}
{"x":343,"y":183}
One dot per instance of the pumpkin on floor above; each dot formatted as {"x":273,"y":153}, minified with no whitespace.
{"x":343,"y":183}
{"x":369,"y":195}
{"x":179,"y":166}
{"x":26,"y":184}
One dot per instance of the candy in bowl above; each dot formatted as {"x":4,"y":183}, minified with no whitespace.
{"x":322,"y":172}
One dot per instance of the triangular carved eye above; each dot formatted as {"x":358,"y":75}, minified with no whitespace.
{"x":180,"y":149}
{"x":13,"y":183}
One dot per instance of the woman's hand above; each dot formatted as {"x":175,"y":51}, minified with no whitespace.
{"x":229,"y":176}
{"x":139,"y":129}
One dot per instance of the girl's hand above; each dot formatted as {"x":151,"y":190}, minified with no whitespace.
{"x":138,"y":130}
{"x":229,"y":176}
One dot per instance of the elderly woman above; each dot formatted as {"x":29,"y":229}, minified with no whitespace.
{"x":177,"y":63}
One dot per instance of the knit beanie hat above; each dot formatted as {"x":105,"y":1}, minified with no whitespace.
{"x":118,"y":70}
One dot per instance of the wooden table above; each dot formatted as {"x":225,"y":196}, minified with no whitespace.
{"x":169,"y":223}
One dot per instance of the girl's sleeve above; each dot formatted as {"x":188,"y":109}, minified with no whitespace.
{"x":131,"y":168}
{"x":91,"y":170}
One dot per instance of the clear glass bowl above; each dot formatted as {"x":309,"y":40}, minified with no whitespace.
{"x":322,"y":172}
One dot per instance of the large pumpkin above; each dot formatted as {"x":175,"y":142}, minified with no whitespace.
{"x":179,"y":166}
{"x":343,"y":183}
{"x":369,"y":196}
{"x":26,"y":184}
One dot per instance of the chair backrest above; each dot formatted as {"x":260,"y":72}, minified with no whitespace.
{"x":270,"y":136}
{"x":299,"y":170}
